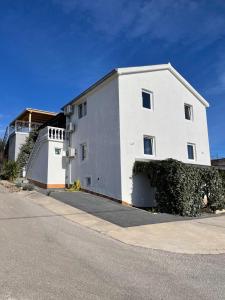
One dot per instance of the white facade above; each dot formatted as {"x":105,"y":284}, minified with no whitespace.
{"x":115,"y":125}
{"x":108,"y":124}
{"x":99,"y":130}
{"x":47,"y":165}
{"x":165,"y":122}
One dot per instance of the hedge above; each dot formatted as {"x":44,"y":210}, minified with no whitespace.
{"x":181,"y":188}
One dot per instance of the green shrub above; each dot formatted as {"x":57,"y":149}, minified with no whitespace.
{"x":10,"y":170}
{"x":180,"y":188}
{"x":26,"y":149}
{"x":214,"y":188}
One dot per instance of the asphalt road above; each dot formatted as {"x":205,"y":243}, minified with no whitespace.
{"x":108,"y":210}
{"x":43,"y":256}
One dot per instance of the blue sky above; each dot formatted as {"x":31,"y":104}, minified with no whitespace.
{"x":50,"y":50}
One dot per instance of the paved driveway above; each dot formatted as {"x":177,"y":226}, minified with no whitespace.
{"x":45,"y":256}
{"x":111,"y":211}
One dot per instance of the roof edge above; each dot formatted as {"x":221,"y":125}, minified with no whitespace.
{"x":32,"y":110}
{"x":169,"y":67}
{"x":142,"y":69}
{"x":93,"y":86}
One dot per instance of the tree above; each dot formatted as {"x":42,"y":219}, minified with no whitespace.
{"x":26,"y":149}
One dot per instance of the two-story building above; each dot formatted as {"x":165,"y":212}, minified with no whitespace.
{"x":136,"y":113}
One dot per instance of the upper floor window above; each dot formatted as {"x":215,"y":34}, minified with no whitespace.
{"x":191,"y":151}
{"x":83,"y":151}
{"x":147,"y":99}
{"x":188,"y":112}
{"x":85,"y":108}
{"x":149,"y":145}
{"x":82,"y":110}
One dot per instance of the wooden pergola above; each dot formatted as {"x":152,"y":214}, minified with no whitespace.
{"x":31,"y":117}
{"x":34,"y":115}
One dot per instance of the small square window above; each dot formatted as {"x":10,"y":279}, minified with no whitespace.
{"x":83,"y":151}
{"x":57,"y":151}
{"x":147,"y":99}
{"x":191,"y":151}
{"x":188,"y":112}
{"x":148,"y":145}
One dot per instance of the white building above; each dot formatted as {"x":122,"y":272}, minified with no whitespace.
{"x":137,"y":113}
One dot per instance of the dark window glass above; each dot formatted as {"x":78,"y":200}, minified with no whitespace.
{"x":187,"y":111}
{"x":190,"y":149}
{"x":83,"y":152}
{"x":85,"y":108}
{"x":146,"y":100}
{"x":57,"y":151}
{"x":80,"y":111}
{"x":148,"y":146}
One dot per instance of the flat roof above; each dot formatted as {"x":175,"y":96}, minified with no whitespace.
{"x":37,"y":115}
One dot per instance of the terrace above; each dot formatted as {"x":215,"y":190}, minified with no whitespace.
{"x":30,"y":119}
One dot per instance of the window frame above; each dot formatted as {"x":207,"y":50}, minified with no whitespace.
{"x":82,"y":109}
{"x":191,"y":112}
{"x":194,"y":152}
{"x":81,"y":153}
{"x":86,"y":181}
{"x":150,"y":137}
{"x":151,"y":99}
{"x":60,"y":151}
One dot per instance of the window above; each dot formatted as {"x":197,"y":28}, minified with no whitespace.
{"x":82,"y":110}
{"x":85,"y":108}
{"x":57,"y":151}
{"x":147,"y":99}
{"x":88,"y":181}
{"x":188,"y":112}
{"x":148,"y":145}
{"x":191,"y":151}
{"x":83,"y":151}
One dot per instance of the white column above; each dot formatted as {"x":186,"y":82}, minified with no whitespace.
{"x":29,"y":124}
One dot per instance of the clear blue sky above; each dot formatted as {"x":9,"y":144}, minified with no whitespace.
{"x":50,"y":50}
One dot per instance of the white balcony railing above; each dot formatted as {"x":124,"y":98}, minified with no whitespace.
{"x":53,"y":133}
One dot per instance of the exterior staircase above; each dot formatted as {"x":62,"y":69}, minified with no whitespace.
{"x":46,"y":134}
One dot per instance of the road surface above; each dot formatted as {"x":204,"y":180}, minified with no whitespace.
{"x":45,"y":256}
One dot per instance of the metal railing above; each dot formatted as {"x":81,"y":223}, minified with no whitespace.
{"x":20,"y":126}
{"x":25,"y":126}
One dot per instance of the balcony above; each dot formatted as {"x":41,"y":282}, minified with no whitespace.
{"x":20,"y":126}
{"x":52,"y":134}
{"x":24,"y":126}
